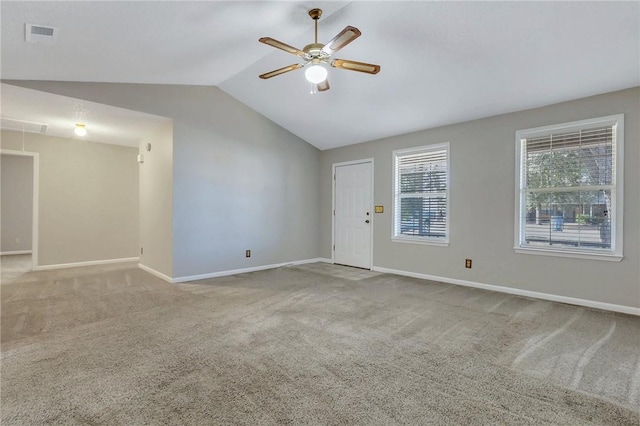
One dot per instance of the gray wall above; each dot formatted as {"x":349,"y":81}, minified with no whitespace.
{"x":88,"y":198}
{"x":483,"y":203}
{"x":16,"y":203}
{"x":239,"y":180}
{"x":156,"y":201}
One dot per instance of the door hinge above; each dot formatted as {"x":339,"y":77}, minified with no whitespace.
{"x":334,"y":212}
{"x":334,"y":177}
{"x":334,"y":247}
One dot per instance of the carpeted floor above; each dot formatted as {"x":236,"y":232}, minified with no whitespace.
{"x":300,"y":345}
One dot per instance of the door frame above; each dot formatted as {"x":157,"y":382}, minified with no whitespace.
{"x":333,"y":206}
{"x":36,"y":190}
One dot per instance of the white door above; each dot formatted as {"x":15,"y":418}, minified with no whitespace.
{"x":353,"y":216}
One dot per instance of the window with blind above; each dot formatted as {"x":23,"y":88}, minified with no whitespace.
{"x":570,"y":188}
{"x":421,"y":194}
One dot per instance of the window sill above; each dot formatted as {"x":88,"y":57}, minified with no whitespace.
{"x":421,"y":242}
{"x":608,"y":257}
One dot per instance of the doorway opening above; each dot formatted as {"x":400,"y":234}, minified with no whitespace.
{"x":19,"y":180}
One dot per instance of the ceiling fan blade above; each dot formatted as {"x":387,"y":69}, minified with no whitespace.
{"x":355,"y":66}
{"x":323,"y":86}
{"x":343,"y":38}
{"x":280,"y":71}
{"x":283,"y":46}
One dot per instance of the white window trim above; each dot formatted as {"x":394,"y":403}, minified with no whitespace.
{"x":614,"y":255}
{"x":428,"y":241}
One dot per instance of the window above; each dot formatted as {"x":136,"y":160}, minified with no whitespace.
{"x":570,"y":189}
{"x":421,"y":195}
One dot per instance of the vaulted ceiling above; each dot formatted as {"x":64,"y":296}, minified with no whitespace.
{"x":60,"y":114}
{"x":442,"y":62}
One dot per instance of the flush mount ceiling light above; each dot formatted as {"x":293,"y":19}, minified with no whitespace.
{"x":80,"y":130}
{"x":316,"y":54}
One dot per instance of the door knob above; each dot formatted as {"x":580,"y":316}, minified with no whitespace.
{"x":366,"y":221}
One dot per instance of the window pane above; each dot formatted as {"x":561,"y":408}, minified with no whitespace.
{"x":571,"y":159}
{"x":421,"y":193}
{"x":567,"y":177}
{"x":424,"y":217}
{"x":423,"y":172}
{"x":596,"y":165}
{"x":576,"y":219}
{"x":423,"y":182}
{"x":553,"y":169}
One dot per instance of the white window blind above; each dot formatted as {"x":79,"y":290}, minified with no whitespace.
{"x":421,"y":188}
{"x":568,"y":188}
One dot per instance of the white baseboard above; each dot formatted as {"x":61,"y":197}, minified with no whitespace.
{"x":315,"y":260}
{"x":156,"y":273}
{"x":7,"y":253}
{"x":89,"y":263}
{"x":245,"y":270}
{"x":545,"y":296}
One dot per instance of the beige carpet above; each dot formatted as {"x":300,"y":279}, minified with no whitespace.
{"x":294,"y":346}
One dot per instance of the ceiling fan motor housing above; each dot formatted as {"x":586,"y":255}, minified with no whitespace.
{"x":314,"y":49}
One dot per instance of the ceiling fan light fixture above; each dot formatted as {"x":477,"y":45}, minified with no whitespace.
{"x":80,"y":130}
{"x":316,"y":74}
{"x":317,"y":54}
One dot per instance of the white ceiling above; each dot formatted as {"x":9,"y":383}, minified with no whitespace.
{"x":442,"y":62}
{"x":105,"y":124}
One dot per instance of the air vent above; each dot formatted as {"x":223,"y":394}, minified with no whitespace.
{"x":40,"y":34}
{"x":21,"y":125}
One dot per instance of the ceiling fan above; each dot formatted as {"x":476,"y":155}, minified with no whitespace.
{"x":317,"y":54}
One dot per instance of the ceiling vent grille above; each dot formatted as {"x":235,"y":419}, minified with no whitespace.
{"x":40,"y":34}
{"x":22,"y":125}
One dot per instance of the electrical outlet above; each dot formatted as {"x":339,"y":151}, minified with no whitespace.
{"x":247,"y":253}
{"x":467,"y":263}
{"x":18,"y":240}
